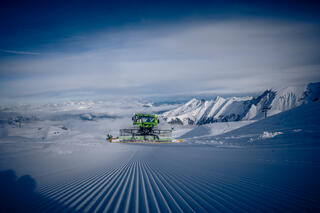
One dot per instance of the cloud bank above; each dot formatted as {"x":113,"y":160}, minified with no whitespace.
{"x":213,"y":56}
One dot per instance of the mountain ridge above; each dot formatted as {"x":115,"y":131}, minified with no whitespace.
{"x":221,"y":109}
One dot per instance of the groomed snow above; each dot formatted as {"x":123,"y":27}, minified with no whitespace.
{"x":221,"y":167}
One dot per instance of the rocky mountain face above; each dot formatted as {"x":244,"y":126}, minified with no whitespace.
{"x":242,"y":108}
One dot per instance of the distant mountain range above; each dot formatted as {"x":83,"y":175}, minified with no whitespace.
{"x":222,"y":109}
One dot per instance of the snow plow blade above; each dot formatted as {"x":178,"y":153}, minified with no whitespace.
{"x":121,"y":140}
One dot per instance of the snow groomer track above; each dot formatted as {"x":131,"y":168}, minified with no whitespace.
{"x":175,"y":179}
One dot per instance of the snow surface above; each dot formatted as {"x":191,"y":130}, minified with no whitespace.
{"x":299,"y":126}
{"x":266,"y":134}
{"x":220,"y":167}
{"x":214,"y":129}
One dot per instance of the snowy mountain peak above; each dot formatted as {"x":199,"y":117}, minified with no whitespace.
{"x":242,"y":108}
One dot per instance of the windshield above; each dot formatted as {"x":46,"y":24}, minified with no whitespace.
{"x":144,"y":119}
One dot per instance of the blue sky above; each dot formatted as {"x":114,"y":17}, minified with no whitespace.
{"x":145,"y":48}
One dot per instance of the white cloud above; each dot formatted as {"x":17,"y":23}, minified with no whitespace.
{"x":19,"y":52}
{"x":233,"y":55}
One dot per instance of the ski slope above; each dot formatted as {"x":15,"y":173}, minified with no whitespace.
{"x":213,"y":129}
{"x":296,"y":127}
{"x":184,"y":179}
{"x":271,"y":165}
